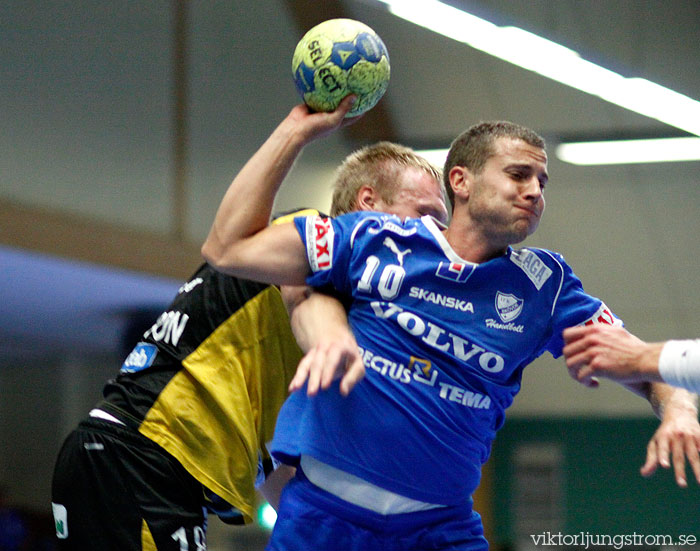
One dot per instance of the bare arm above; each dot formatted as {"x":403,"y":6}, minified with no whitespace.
{"x":239,"y":242}
{"x":612,"y":352}
{"x":606,"y":351}
{"x":321,"y":327}
{"x":272,"y":488}
{"x":678,"y":435}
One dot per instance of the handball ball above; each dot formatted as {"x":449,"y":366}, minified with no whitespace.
{"x":337,"y":58}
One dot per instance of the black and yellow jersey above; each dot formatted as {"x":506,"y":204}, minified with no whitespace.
{"x":207,"y":381}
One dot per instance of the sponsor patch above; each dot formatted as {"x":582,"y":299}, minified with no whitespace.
{"x":456,"y":271}
{"x":441,"y":300}
{"x":141,"y":357}
{"x":319,"y":243}
{"x":536,"y":270}
{"x":423,"y":371}
{"x":393,"y":227}
{"x":603,"y":315}
{"x":437,"y":337}
{"x":168,"y":328}
{"x":465,"y":397}
{"x":60,"y":519}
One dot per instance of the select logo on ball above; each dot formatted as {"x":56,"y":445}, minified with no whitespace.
{"x":340,"y":57}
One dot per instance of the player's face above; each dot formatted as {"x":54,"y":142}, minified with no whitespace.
{"x":506,"y":198}
{"x":417,"y":194}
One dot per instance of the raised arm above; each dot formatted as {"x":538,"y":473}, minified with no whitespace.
{"x":240,"y":242}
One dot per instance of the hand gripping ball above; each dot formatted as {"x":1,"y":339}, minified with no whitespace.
{"x":340,"y":57}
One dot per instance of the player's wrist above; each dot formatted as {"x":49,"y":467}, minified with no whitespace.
{"x":291,"y":137}
{"x":648,"y":361}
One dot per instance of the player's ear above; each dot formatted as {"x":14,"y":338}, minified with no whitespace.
{"x":367,"y":198}
{"x":460,"y":179}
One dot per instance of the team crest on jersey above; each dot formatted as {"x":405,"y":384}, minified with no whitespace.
{"x":456,"y":271}
{"x":508,"y":306}
{"x":319,"y":239}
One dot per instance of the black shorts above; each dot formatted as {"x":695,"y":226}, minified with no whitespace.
{"x":114,"y":489}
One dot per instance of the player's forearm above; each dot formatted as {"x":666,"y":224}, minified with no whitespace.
{"x":665,"y":399}
{"x":317,"y":317}
{"x":247,"y":204}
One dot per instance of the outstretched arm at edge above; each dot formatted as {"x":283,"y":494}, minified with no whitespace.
{"x":678,"y":435}
{"x":612,"y":352}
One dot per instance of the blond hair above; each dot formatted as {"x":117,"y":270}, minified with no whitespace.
{"x":378,"y":167}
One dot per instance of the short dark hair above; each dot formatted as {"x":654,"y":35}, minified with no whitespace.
{"x":473,"y":147}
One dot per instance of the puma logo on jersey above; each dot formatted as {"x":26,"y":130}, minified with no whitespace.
{"x":389,"y":242}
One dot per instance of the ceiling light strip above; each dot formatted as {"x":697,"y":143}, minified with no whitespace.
{"x":630,"y":151}
{"x":553,"y":61}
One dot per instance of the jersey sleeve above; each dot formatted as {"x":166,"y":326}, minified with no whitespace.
{"x":573,"y":306}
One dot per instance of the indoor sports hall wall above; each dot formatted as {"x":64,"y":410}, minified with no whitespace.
{"x":587,"y":471}
{"x":89,"y":181}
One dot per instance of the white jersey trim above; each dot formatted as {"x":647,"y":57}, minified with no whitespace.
{"x":561,"y":279}
{"x":435,"y":228}
{"x":101,"y":414}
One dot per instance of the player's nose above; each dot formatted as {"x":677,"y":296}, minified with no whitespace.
{"x":533,"y":190}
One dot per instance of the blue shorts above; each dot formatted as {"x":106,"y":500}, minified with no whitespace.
{"x":311,"y":519}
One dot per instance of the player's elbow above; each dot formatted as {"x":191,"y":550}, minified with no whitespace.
{"x":214,"y":254}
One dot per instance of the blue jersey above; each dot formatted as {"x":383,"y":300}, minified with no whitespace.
{"x":444,"y":343}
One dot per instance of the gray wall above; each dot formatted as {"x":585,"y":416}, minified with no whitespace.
{"x":86,"y":109}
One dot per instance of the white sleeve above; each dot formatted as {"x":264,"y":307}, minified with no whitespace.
{"x":679,"y":364}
